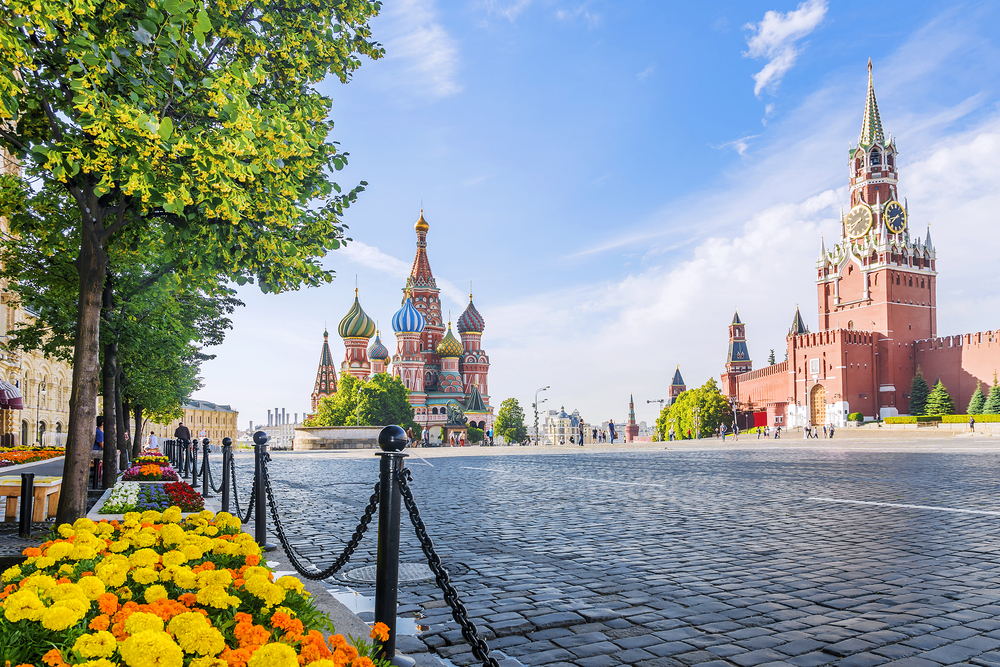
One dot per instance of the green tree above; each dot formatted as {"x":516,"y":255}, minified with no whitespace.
{"x":199,"y":124}
{"x":380,"y":401}
{"x":770,"y":358}
{"x":977,"y":401}
{"x":510,"y":422}
{"x":992,"y":405}
{"x":939,"y":401}
{"x":475,"y":435}
{"x":713,"y":410}
{"x":918,"y":394}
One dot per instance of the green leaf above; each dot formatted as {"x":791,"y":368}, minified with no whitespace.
{"x":204,"y":23}
{"x":172,"y":6}
{"x":166,"y":128}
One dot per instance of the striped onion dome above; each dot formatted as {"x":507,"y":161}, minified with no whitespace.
{"x":471,"y":320}
{"x":356,"y":323}
{"x":408,"y":319}
{"x":378,"y":350}
{"x":449,"y":345}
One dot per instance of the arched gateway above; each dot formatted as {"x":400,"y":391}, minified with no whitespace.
{"x":817,"y":405}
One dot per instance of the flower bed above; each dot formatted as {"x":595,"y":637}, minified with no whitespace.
{"x":155,"y":459}
{"x":11,"y":456}
{"x":150,"y":473}
{"x":136,"y":497}
{"x":158,"y":590}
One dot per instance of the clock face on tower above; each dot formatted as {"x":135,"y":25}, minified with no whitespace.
{"x":894,"y":217}
{"x":858,"y":221}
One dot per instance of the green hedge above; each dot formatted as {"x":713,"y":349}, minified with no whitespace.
{"x":901,"y":420}
{"x":856,"y":417}
{"x":911,"y":419}
{"x":964,"y":419}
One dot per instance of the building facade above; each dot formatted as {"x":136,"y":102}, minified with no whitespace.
{"x":443,"y":372}
{"x":205,"y":420}
{"x":877,"y":314}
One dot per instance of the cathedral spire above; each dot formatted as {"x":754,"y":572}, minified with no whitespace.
{"x":871,"y":127}
{"x":326,"y":374}
{"x":420,"y":273}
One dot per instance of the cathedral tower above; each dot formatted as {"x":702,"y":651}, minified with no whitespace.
{"x":425,"y":295}
{"x":356,"y":329}
{"x":475,"y":365}
{"x":326,"y":375}
{"x":379,"y":356}
{"x":408,"y":362}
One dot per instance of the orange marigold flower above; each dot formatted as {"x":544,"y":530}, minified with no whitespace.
{"x":188,"y":598}
{"x":53,"y":658}
{"x":252,"y":560}
{"x":243,"y":617}
{"x":30,"y":552}
{"x":380,"y":632}
{"x":207,"y":565}
{"x":99,"y":623}
{"x":236,"y":657}
{"x":108,"y":603}
{"x":313,"y":648}
{"x":362,"y":662}
{"x":338,"y":642}
{"x":88,"y":573}
{"x":351,"y":652}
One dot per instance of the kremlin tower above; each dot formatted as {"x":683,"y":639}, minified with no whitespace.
{"x":326,"y":375}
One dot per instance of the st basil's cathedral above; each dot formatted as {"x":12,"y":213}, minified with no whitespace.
{"x":440,"y":370}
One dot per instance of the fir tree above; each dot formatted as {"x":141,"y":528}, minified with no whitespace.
{"x":918,"y":394}
{"x":770,"y":358}
{"x":939,"y":401}
{"x":992,"y":405}
{"x":977,"y":402}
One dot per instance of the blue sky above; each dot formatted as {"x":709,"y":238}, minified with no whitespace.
{"x":616,"y":177}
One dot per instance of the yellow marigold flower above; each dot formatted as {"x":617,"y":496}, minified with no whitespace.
{"x":192,"y":551}
{"x":39,"y":582}
{"x":227,"y":520}
{"x":11,"y":573}
{"x":112,"y":570}
{"x":104,"y":529}
{"x":146,"y":537}
{"x":132,"y":519}
{"x":83,"y":523}
{"x":59,"y":550}
{"x":144,"y":558}
{"x":174,"y":558}
{"x":171,"y":534}
{"x":274,"y":655}
{"x":151,"y":648}
{"x":171,"y":515}
{"x":69,"y":592}
{"x":216,"y":596}
{"x":65,"y":530}
{"x":209,"y":661}
{"x":196,"y":635}
{"x":290,"y":584}
{"x":83,"y":552}
{"x":120,"y":546}
{"x":214,"y":578}
{"x":185,"y":577}
{"x":92,"y":587}
{"x":151,"y":516}
{"x":23,"y":604}
{"x":59,"y":618}
{"x":100,"y":662}
{"x":145,"y":575}
{"x":98,"y":645}
{"x":154,"y":593}
{"x":142,"y":621}
{"x":44,"y":562}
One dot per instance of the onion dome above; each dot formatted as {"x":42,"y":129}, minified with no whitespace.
{"x":471,"y":320}
{"x":421,"y":225}
{"x":449,"y":345}
{"x":356,"y":323}
{"x":408,"y":319}
{"x":378,"y":350}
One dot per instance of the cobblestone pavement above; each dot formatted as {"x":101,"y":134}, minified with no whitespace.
{"x":680,"y":558}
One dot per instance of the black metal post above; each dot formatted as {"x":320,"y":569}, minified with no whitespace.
{"x":185,"y":447}
{"x":227,"y":456}
{"x":392,"y":440}
{"x":194,"y":464}
{"x":260,"y":500}
{"x":206,"y":488}
{"x":27,"y":496}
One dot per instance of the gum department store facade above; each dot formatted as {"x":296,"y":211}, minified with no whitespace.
{"x":438,"y":369}
{"x":876,"y":290}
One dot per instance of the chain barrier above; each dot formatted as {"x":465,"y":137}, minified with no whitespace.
{"x":345,"y":556}
{"x":480,"y":648}
{"x":236,"y":495}
{"x":211,"y":482}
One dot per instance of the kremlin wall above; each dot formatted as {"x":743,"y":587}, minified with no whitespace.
{"x":877,"y":307}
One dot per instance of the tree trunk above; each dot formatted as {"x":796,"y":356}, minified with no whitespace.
{"x":122,"y":417}
{"x":137,"y":438}
{"x":110,"y":420}
{"x":91,"y":265}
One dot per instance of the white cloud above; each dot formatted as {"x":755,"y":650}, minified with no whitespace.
{"x":644,"y":74}
{"x":776,"y":37}
{"x":421,"y":58}
{"x":506,"y":9}
{"x":373,"y":258}
{"x":581,"y":12}
{"x":739,"y":145}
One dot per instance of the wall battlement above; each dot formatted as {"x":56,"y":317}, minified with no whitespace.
{"x":987,"y":338}
{"x":764,"y":372}
{"x":833,"y":336}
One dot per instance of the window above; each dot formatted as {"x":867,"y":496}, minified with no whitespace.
{"x":876,"y":157}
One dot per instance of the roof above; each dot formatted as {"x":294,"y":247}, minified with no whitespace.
{"x":356,"y":323}
{"x":378,"y":350}
{"x":798,"y":324}
{"x":871,"y":127}
{"x":738,"y":351}
{"x":420,"y":273}
{"x":408,"y":319}
{"x":736,"y":317}
{"x":207,"y":405}
{"x":475,"y":401}
{"x":470,"y":320}
{"x":678,"y":381}
{"x":449,"y":345}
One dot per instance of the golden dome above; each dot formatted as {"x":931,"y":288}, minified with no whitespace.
{"x":421,"y":225}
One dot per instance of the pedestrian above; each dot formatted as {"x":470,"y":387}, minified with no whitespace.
{"x":805,"y":431}
{"x":182,"y":432}
{"x":722,"y":430}
{"x":736,"y":432}
{"x":99,"y":434}
{"x":689,"y":434}
{"x":672,"y":434}
{"x":409,"y":436}
{"x":972,"y":423}
{"x":831,"y":431}
{"x":824,"y":430}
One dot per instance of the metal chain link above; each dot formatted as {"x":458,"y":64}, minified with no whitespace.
{"x":480,"y":648}
{"x":211,"y":482}
{"x":345,"y":556}
{"x":236,"y":495}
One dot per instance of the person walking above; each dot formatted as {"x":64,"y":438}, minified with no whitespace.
{"x":831,"y":431}
{"x":972,"y":423}
{"x":736,"y":432}
{"x":182,"y":432}
{"x":824,"y":430}
{"x":672,"y":434}
{"x":722,"y":430}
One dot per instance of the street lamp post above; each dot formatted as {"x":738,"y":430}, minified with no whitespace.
{"x":661,"y":401}
{"x":535,"y":405}
{"x":38,"y":411}
{"x":697,"y":422}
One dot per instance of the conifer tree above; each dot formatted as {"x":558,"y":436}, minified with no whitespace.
{"x":939,"y":401}
{"x":992,"y":405}
{"x":770,"y":358}
{"x":978,"y":401}
{"x":918,"y":394}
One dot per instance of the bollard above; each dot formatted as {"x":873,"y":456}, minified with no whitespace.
{"x":27,"y":495}
{"x":260,"y":499}
{"x":206,"y":488}
{"x":392,"y":440}
{"x":194,"y":465}
{"x":184,"y":459}
{"x":227,"y":455}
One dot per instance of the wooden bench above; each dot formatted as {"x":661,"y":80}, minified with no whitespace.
{"x":45,"y":487}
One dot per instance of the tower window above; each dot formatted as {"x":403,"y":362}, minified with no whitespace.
{"x":876,"y":157}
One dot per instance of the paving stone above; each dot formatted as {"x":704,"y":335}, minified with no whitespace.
{"x":758,"y":657}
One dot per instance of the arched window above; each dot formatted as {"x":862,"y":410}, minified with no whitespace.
{"x":434,"y":411}
{"x":24,"y":431}
{"x":58,"y":427}
{"x":911,"y":282}
{"x":889,"y":160}
{"x":875,"y":157}
{"x":850,"y":324}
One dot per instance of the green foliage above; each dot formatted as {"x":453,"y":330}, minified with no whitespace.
{"x":856,"y":417}
{"x":992,"y":405}
{"x":919,"y":392}
{"x":510,"y":421}
{"x":964,"y":419}
{"x":475,"y":435}
{"x":939,"y":401}
{"x":380,"y":401}
{"x":713,"y":411}
{"x":770,"y":358}
{"x":978,"y":401}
